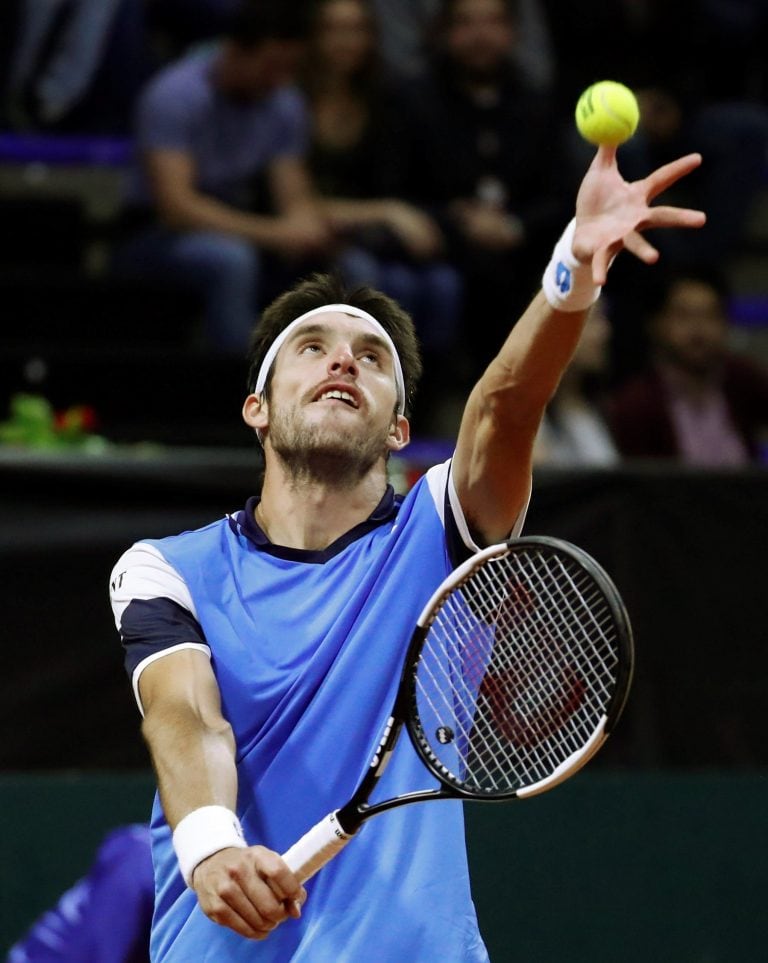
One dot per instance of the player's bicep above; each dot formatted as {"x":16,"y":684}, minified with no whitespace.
{"x":181,"y":682}
{"x":154,"y":629}
{"x":491,"y":470}
{"x":154,"y":611}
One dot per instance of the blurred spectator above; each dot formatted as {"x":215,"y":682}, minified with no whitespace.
{"x":222,"y":136}
{"x":574,"y":431}
{"x":356,"y":160}
{"x":406,"y":32}
{"x":76,"y":65}
{"x":106,"y":916}
{"x":405,"y":27}
{"x":485,"y":160}
{"x":696,"y":401}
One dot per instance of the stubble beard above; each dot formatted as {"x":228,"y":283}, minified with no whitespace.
{"x":321,"y":454}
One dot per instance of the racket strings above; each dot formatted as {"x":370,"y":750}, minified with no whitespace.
{"x":516,"y":672}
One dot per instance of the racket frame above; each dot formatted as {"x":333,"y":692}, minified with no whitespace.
{"x":332,"y":833}
{"x":625,"y":665}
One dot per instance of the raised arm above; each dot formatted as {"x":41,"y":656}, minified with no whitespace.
{"x":492,"y":464}
{"x":246,"y":888}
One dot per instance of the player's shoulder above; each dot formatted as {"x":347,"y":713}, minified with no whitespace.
{"x":426,"y":496}
{"x":192,"y":542}
{"x":434,"y":482}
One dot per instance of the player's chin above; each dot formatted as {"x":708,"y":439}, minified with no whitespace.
{"x":335,"y":410}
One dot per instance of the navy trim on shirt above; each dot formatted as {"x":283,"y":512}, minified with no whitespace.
{"x":148,"y":626}
{"x":245,"y":523}
{"x":458,"y":552}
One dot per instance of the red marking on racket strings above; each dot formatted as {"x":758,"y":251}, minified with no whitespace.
{"x":503,"y":692}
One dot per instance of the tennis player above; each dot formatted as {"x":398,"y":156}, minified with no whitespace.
{"x":265,"y":649}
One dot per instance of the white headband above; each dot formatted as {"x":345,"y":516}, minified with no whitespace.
{"x":269,"y":357}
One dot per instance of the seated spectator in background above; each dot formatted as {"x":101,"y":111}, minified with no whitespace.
{"x":696,"y":402}
{"x":574,"y":432}
{"x":484,"y":150}
{"x":106,"y":916}
{"x":355,"y":158}
{"x":76,"y":65}
{"x":213,"y":130}
{"x":406,"y":32}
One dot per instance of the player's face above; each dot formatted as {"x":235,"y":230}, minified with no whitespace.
{"x":333,"y":393}
{"x":480,"y":35}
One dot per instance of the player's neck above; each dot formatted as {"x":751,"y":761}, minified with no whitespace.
{"x":312,"y":515}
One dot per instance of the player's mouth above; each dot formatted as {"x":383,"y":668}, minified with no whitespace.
{"x":344,"y":395}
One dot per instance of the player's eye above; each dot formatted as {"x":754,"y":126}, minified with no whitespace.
{"x":311,"y":347}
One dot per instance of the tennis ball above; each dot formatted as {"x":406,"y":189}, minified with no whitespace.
{"x":607,"y":113}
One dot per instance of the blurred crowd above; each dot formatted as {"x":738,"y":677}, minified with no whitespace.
{"x":427,"y":147}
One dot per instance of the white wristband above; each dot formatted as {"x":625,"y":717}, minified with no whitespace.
{"x":204,"y":832}
{"x":567,"y":283}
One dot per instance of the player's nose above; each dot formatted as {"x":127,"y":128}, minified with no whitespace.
{"x":342,"y":358}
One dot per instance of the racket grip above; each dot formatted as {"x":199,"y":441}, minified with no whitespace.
{"x":316,"y":847}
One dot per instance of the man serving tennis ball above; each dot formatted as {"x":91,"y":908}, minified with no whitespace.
{"x":265,"y":649}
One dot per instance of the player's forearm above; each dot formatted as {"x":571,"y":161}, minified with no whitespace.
{"x":525,"y":373}
{"x":492,"y":463}
{"x":194,"y":761}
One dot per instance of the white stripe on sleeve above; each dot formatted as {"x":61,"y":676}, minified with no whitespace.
{"x":143,"y":573}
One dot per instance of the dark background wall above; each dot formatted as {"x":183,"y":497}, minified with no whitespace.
{"x":656,"y":851}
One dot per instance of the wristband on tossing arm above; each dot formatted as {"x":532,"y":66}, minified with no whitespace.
{"x":204,"y":832}
{"x":567,"y":283}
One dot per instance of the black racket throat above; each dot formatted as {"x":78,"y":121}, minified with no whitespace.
{"x":352,"y":815}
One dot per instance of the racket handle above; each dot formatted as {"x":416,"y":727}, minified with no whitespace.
{"x":316,"y":847}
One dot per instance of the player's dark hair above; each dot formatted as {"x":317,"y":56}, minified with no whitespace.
{"x":260,"y":20}
{"x":320,"y":289}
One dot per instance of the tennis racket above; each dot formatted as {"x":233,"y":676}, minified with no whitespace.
{"x":516,"y":673}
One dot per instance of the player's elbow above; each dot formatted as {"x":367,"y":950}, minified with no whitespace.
{"x":173,"y":727}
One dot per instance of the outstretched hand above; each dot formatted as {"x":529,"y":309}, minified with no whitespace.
{"x":611,"y":213}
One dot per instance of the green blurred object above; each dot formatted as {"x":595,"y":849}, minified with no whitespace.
{"x":33,"y":423}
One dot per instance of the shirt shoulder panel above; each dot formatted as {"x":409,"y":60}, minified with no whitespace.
{"x":144,"y":573}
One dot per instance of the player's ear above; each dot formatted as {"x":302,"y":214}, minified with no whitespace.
{"x":256,"y":412}
{"x":399,"y":433}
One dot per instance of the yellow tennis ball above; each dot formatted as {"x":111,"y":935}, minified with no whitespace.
{"x":607,"y":113}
